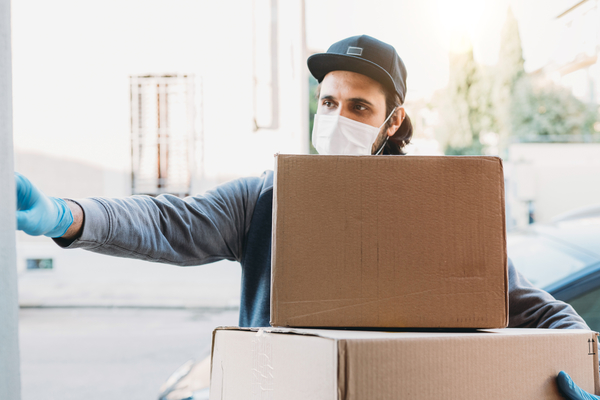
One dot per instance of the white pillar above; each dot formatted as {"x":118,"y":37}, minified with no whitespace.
{"x":10,"y":376}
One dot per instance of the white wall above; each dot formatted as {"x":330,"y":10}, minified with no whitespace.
{"x":72,"y":62}
{"x":557,"y":177}
{"x":10,"y":384}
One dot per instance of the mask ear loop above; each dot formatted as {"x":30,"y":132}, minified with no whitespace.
{"x":378,"y":152}
{"x":382,"y":146}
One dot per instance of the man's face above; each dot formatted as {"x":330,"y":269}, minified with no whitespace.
{"x":360,"y":98}
{"x":353,"y":96}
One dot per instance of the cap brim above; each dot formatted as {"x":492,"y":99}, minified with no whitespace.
{"x":321,"y":64}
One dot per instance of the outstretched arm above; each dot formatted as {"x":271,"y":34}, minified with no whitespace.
{"x":38,"y":214}
{"x":74,"y":230}
{"x":190,"y":231}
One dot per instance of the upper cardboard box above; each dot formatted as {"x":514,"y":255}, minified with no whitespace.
{"x":293,"y":364}
{"x":389,"y":241}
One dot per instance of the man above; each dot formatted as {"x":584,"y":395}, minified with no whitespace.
{"x":362,"y":89}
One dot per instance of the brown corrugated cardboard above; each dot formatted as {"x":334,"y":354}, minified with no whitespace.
{"x":389,"y":241}
{"x":279,"y":363}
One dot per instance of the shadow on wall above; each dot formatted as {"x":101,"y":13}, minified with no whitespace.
{"x":69,"y":178}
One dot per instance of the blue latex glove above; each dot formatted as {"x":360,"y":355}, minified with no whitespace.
{"x":38,"y":214}
{"x":571,"y":390}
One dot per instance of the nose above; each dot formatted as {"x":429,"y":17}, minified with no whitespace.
{"x":344,"y":110}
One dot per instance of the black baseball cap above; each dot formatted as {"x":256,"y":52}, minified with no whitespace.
{"x":371,"y":57}
{"x":364,"y":55}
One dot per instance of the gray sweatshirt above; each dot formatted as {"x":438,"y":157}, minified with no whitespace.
{"x":233,"y":222}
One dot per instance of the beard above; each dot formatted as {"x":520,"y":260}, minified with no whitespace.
{"x":380,"y":141}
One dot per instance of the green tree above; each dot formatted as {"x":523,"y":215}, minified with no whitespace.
{"x":541,"y":108}
{"x":505,"y":101}
{"x":508,"y":72}
{"x":464,"y":105}
{"x":527,"y":106}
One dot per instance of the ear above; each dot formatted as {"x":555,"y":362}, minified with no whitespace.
{"x":396,"y":119}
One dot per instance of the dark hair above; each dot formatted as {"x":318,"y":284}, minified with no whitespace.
{"x":396,"y":143}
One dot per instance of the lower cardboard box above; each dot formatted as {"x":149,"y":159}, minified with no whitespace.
{"x":278,"y":363}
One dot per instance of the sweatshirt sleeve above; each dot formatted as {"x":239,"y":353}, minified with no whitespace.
{"x":530,"y":307}
{"x":167,"y":229}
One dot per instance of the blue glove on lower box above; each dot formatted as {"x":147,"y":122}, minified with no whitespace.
{"x":38,"y":214}
{"x":571,"y":390}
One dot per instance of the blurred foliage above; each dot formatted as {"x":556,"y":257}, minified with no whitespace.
{"x":504,"y":100}
{"x":545,"y":109}
{"x":464,"y":105}
{"x":507,"y":73}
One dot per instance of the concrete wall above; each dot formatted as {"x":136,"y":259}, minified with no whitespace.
{"x":10,"y":384}
{"x":71,"y":178}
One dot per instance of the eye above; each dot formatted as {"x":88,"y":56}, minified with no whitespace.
{"x":327,"y":103}
{"x":360,"y":107}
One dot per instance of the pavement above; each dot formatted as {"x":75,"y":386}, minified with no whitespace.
{"x":109,"y":353}
{"x":98,"y":327}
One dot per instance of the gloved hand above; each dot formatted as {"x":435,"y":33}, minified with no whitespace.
{"x":38,"y":214}
{"x":571,"y":390}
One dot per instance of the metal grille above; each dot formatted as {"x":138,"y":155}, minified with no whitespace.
{"x":162,"y":134}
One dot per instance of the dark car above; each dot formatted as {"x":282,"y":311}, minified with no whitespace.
{"x":563,"y":258}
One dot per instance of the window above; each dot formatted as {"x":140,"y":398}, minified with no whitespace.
{"x":543,"y":261}
{"x":163,"y":138}
{"x":39,"y":263}
{"x":588,"y":306}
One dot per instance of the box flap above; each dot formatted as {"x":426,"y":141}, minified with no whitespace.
{"x":258,"y":364}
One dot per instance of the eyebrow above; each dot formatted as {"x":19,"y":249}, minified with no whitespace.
{"x":327,"y":97}
{"x":354,"y":99}
{"x":361,"y":100}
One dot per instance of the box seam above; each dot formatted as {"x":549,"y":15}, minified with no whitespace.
{"x":596,"y":366}
{"x":273,"y":295}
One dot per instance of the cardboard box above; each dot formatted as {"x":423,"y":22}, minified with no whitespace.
{"x":279,"y":363}
{"x":389,"y":241}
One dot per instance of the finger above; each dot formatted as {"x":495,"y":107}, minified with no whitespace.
{"x":22,"y":221}
{"x":26,"y":224}
{"x":25,"y":191}
{"x":570,"y":389}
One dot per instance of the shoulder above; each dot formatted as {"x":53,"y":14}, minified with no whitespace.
{"x":256,"y":185}
{"x":244,"y":189}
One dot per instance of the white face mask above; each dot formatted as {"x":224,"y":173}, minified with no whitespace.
{"x":334,"y":134}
